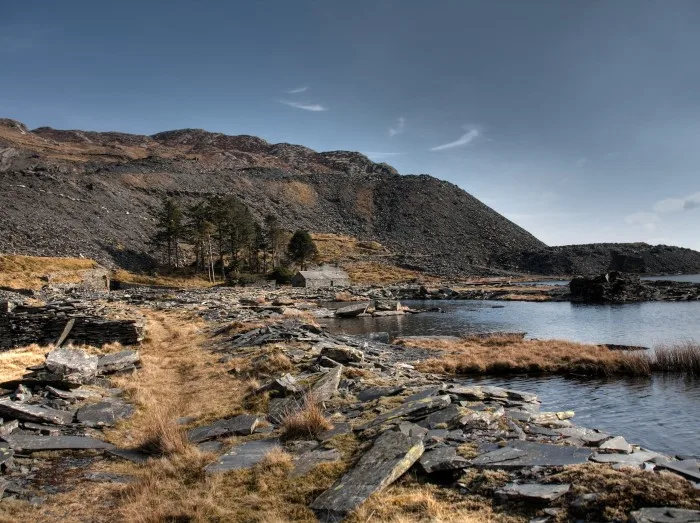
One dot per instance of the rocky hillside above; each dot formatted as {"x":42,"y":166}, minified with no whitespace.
{"x":71,"y":193}
{"x":597,"y":258}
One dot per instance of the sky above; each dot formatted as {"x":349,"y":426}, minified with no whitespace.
{"x":577,"y":119}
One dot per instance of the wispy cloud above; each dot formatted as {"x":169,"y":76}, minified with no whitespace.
{"x":399,"y":128}
{"x":670,"y":205}
{"x":298,"y":90}
{"x":467,"y":138}
{"x":304,"y":106}
{"x":648,"y":220}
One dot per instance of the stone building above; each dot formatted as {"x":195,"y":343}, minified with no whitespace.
{"x":321,"y":278}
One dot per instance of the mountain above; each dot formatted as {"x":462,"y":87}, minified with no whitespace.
{"x":93,"y":194}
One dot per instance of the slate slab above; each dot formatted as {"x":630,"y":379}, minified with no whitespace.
{"x":133,"y":455}
{"x":6,"y":455}
{"x":24,"y":412}
{"x":519,"y":454}
{"x":536,"y":492}
{"x":342,"y":354}
{"x":665,"y":515}
{"x":104,"y":413}
{"x":117,"y":361}
{"x":337,"y":430}
{"x":351,"y":310}
{"x":374,"y":393}
{"x":616,"y":444}
{"x":310,"y":460}
{"x":441,"y":459}
{"x":28,"y":442}
{"x":74,"y":365}
{"x":392,"y":454}
{"x":632,"y":460}
{"x":327,"y":385}
{"x":688,"y":468}
{"x":411,"y":410}
{"x":243,"y":425}
{"x":243,"y":456}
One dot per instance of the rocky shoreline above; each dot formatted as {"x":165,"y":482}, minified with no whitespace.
{"x":400,"y":421}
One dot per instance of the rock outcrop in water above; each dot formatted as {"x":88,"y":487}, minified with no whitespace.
{"x":617,"y":287}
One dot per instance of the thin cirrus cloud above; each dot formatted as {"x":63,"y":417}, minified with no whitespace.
{"x":298,"y":90}
{"x":399,"y":128}
{"x":648,"y":220}
{"x":670,"y":205}
{"x":305,"y":106}
{"x":467,"y":138}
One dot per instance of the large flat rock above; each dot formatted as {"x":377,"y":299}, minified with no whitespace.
{"x":351,"y":310}
{"x":243,"y":456}
{"x":665,"y":515}
{"x":104,"y":413}
{"x":74,"y":365}
{"x":117,"y":361}
{"x":441,"y":459}
{"x":392,"y":454}
{"x":28,"y":442}
{"x":533,"y":491}
{"x":23,"y":412}
{"x":242,"y":425}
{"x":630,"y":460}
{"x":688,"y":468}
{"x":519,"y":454}
{"x":310,"y":460}
{"x":327,"y":385}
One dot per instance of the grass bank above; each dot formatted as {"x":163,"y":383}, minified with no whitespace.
{"x":504,"y":354}
{"x":32,"y":272}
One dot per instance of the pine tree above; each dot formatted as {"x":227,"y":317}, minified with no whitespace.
{"x":169,"y":230}
{"x":302,"y":248}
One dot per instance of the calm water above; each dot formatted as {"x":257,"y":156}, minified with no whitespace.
{"x":647,"y":324}
{"x":661,"y":413}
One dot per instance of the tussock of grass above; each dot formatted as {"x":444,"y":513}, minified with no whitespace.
{"x":29,"y":272}
{"x":683,"y":357}
{"x":306,"y":423}
{"x":621,"y":491}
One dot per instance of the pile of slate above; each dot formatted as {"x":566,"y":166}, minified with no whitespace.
{"x":60,"y":405}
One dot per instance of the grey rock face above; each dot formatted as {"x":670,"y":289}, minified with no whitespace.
{"x":533,"y":491}
{"x":688,"y":468}
{"x":519,"y":454}
{"x":442,"y":458}
{"x":28,"y":442}
{"x":309,"y":460}
{"x":243,"y":456}
{"x":373,"y":393}
{"x":73,"y":365}
{"x":327,"y":385}
{"x":665,"y":515}
{"x":342,"y":354}
{"x":410,"y":410}
{"x":24,"y":412}
{"x":104,"y":413}
{"x":392,"y":454}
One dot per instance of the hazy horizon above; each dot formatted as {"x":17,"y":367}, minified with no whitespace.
{"x":579,"y":121}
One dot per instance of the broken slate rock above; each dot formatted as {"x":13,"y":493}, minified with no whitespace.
{"x":27,"y":442}
{"x":8,"y":427}
{"x":338,"y":430}
{"x":310,"y":460}
{"x":441,"y":459}
{"x":73,"y":365}
{"x":392,"y":454}
{"x":109,"y":477}
{"x":688,"y":468}
{"x":519,"y":454}
{"x":533,"y":491}
{"x":342,"y":354}
{"x":104,"y":413}
{"x":374,"y":393}
{"x":635,"y":459}
{"x":327,"y":385}
{"x":408,"y":411}
{"x":351,"y":310}
{"x":447,"y":418}
{"x":23,"y":412}
{"x":284,"y":385}
{"x":617,"y":444}
{"x":117,"y":361}
{"x":243,"y":425}
{"x":665,"y":515}
{"x":243,"y":456}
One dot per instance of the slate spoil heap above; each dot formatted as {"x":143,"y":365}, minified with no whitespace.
{"x":382,"y":421}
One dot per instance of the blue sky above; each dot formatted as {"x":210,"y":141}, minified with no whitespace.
{"x":579,"y":120}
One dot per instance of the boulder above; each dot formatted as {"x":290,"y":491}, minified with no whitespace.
{"x":617,"y":444}
{"x":392,"y":454}
{"x":72,"y":365}
{"x":342,"y":354}
{"x":284,"y":385}
{"x":441,"y":459}
{"x":24,"y":412}
{"x":327,"y":385}
{"x":387,"y":305}
{"x":117,"y":361}
{"x":351,"y":310}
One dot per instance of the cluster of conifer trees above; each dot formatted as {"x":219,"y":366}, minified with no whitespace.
{"x":224,"y":239}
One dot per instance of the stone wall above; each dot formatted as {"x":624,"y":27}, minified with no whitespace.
{"x":23,"y":325}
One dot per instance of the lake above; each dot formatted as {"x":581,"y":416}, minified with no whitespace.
{"x":688,"y":278}
{"x":661,"y":413}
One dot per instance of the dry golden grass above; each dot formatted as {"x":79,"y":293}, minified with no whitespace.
{"x":621,"y":491}
{"x":369,"y":272}
{"x":30,"y":272}
{"x":512,"y":355}
{"x":334,"y":247}
{"x":306,"y":423}
{"x":413,"y":502}
{"x":14,"y":362}
{"x":180,"y":279}
{"x":682,"y":357}
{"x":294,"y":191}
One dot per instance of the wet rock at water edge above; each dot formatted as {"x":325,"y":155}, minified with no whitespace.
{"x":665,"y":515}
{"x":351,"y":310}
{"x":616,"y":444}
{"x":520,"y":454}
{"x":392,"y":454}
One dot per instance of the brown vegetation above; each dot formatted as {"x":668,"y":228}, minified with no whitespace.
{"x":176,"y":278}
{"x":31,"y":272}
{"x":305,"y":423}
{"x":14,"y":362}
{"x":369,"y":272}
